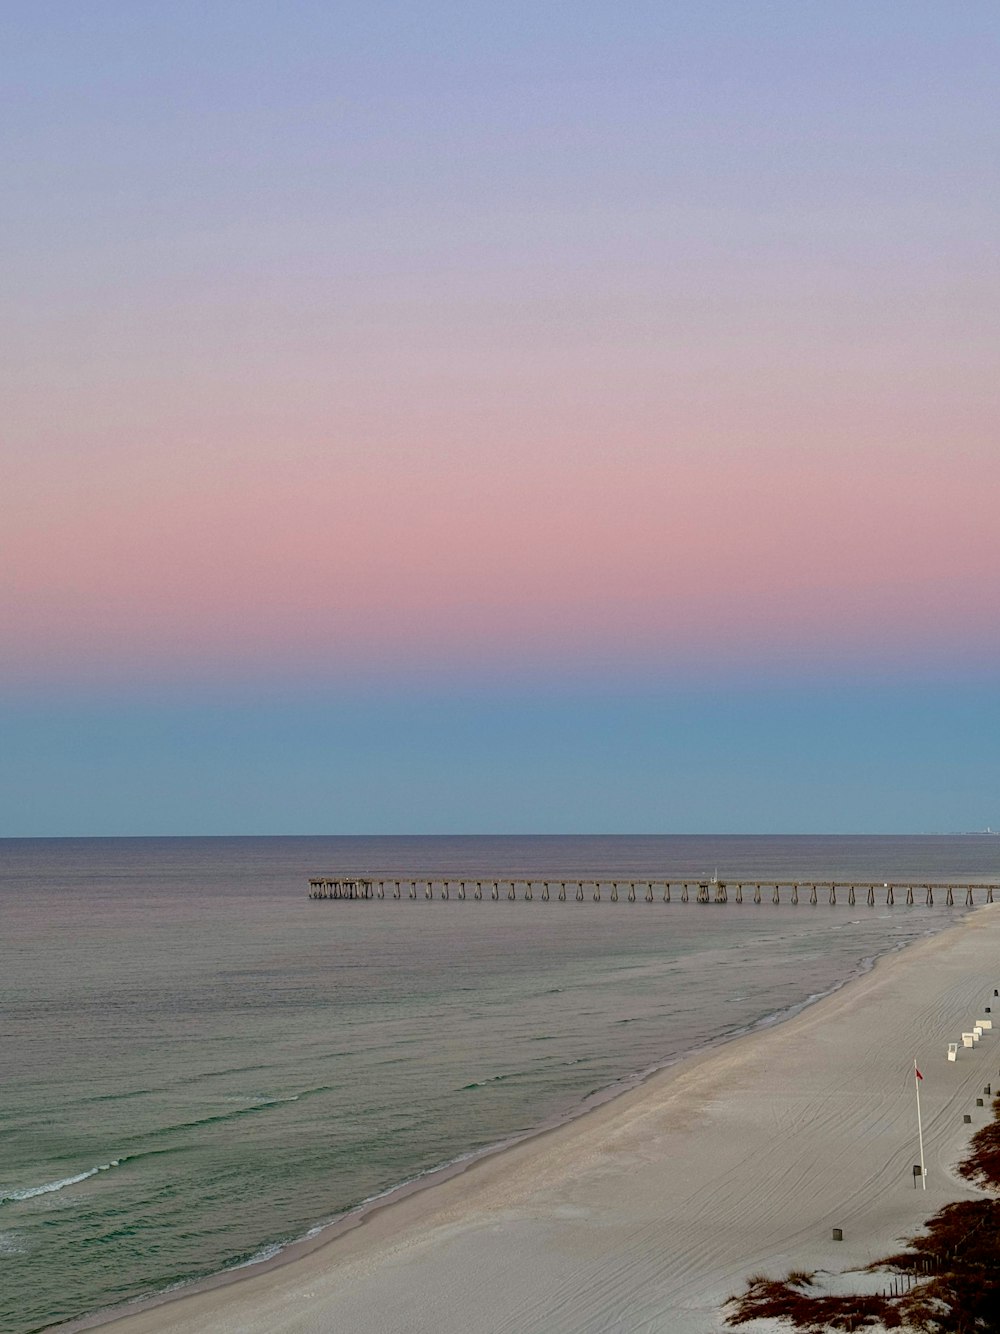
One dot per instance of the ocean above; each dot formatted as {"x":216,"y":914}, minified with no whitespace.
{"x":200,"y":1064}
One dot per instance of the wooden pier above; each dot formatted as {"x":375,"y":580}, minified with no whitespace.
{"x":514,"y":888}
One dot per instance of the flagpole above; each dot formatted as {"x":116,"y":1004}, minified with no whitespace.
{"x":920,"y":1127}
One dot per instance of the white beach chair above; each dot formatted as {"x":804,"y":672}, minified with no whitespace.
{"x":952,"y":1051}
{"x":984,"y":1023}
{"x":968,"y":1039}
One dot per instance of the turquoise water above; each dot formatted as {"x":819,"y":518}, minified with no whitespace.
{"x":200,"y":1063}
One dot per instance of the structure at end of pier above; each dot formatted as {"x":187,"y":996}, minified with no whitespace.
{"x":324,"y":888}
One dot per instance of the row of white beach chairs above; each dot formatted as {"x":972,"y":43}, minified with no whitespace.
{"x":980,"y":1027}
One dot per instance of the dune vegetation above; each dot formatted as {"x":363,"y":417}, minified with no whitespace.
{"x":945,"y":1281}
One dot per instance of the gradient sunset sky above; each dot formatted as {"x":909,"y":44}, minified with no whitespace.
{"x":533,"y":417}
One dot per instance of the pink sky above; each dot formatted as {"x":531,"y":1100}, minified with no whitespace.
{"x":646,"y":558}
{"x":596,"y":403}
{"x":504,"y":348}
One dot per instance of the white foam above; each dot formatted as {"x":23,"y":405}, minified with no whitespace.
{"x":29,"y":1192}
{"x":267,"y":1253}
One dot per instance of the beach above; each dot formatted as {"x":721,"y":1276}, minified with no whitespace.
{"x":648,"y":1211}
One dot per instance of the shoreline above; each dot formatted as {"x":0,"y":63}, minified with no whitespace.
{"x":277,"y":1255}
{"x":339,"y":1241}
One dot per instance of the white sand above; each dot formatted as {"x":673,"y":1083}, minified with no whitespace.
{"x":646,"y":1213}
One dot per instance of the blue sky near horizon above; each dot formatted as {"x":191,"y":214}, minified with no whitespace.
{"x":780,"y":759}
{"x":461,"y":418}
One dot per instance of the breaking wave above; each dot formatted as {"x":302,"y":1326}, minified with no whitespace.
{"x":29,"y":1192}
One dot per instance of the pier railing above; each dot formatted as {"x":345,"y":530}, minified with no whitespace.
{"x":631,"y":890}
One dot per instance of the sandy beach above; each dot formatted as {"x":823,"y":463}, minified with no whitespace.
{"x":647,"y":1212}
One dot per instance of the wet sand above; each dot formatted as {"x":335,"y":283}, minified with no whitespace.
{"x":647,"y":1212}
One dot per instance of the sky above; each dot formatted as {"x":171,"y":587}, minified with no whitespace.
{"x":472,"y":418}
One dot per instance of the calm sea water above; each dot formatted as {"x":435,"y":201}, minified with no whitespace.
{"x":200,"y":1064}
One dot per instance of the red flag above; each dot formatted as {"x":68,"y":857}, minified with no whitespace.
{"x":917,"y":1073}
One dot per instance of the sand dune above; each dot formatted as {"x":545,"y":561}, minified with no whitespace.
{"x":647,"y":1212}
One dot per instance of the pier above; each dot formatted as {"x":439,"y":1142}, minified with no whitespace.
{"x":599,"y":888}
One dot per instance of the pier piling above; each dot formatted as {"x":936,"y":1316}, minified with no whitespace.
{"x":706,"y":891}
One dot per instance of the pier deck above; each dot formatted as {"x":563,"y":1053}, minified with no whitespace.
{"x":518,"y":887}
